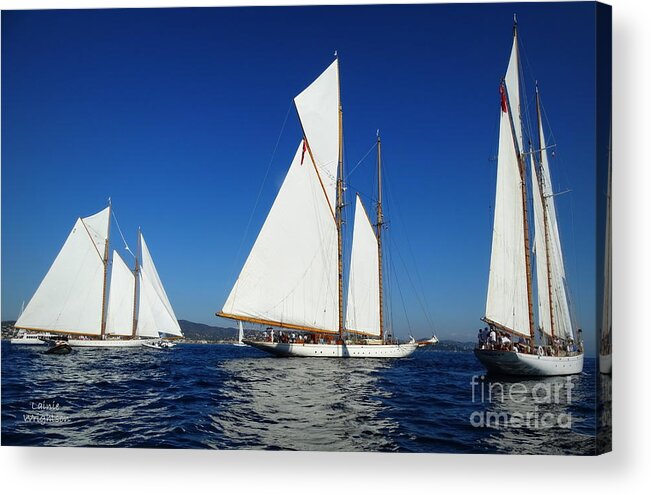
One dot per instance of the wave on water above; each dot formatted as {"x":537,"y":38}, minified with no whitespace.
{"x":228,"y":397}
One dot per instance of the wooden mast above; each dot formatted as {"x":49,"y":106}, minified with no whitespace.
{"x":378,"y":226}
{"x":340,"y":207}
{"x":545,"y":218}
{"x":136,"y":287}
{"x":106,"y":254}
{"x":523,"y":179}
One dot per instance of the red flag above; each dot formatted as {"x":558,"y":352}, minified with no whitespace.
{"x":503,"y":98}
{"x":304,"y":148}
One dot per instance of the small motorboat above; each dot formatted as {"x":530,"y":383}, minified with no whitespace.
{"x":159,"y":344}
{"x":59,"y":347}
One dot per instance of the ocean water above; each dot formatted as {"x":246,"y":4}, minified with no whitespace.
{"x":227,"y":397}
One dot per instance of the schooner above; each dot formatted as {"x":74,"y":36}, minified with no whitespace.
{"x":510,"y":300}
{"x":77,"y":298}
{"x":293,"y":278}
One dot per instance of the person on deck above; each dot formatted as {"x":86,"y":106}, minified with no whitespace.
{"x":492,"y":338}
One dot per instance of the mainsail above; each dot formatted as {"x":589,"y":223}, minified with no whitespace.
{"x":363,"y":308}
{"x":290,"y":277}
{"x":318,"y":111}
{"x":507,"y":303}
{"x":70,"y":296}
{"x":119,"y":316}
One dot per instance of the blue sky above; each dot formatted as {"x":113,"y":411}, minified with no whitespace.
{"x":175,"y":114}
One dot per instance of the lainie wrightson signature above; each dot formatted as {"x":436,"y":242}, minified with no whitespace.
{"x":45,"y":412}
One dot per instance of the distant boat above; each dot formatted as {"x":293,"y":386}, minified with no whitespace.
{"x":240,"y":335}
{"x":31,"y":338}
{"x":72,"y":297}
{"x":24,"y":337}
{"x":509,"y":305}
{"x":158,"y":344}
{"x":293,"y":277}
{"x":59,"y":347}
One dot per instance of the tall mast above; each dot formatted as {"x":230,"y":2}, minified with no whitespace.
{"x":544,"y":212}
{"x":136,"y":286}
{"x":106,"y":254}
{"x":378,"y":225}
{"x":523,"y":179}
{"x":340,"y":207}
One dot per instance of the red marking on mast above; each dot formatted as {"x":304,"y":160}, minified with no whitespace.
{"x":503,"y":98}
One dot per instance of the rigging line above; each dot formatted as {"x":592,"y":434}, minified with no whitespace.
{"x":363,"y":158}
{"x":413,"y":285}
{"x":126,"y":246}
{"x":524,"y":81}
{"x":257,"y":199}
{"x":411,"y":252}
{"x":404,"y":306}
{"x":92,"y":240}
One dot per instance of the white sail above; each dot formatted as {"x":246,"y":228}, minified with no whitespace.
{"x":69,"y":298}
{"x":147,"y":325}
{"x":240,"y":333}
{"x":290,"y":276}
{"x":363,"y":308}
{"x":512,"y":82}
{"x":560,"y":295}
{"x":318,"y":110}
{"x":507,"y":300}
{"x":542,"y":274}
{"x":155,"y":313}
{"x":119,"y":314}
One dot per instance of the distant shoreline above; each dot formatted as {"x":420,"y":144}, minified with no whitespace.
{"x":199,"y":333}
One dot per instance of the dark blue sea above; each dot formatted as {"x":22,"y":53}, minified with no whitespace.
{"x":226,"y":397}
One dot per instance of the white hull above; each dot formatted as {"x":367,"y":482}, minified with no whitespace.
{"x":106,"y":343}
{"x":23,"y":341}
{"x":336,"y":350}
{"x":515,"y":363}
{"x":606,"y":364}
